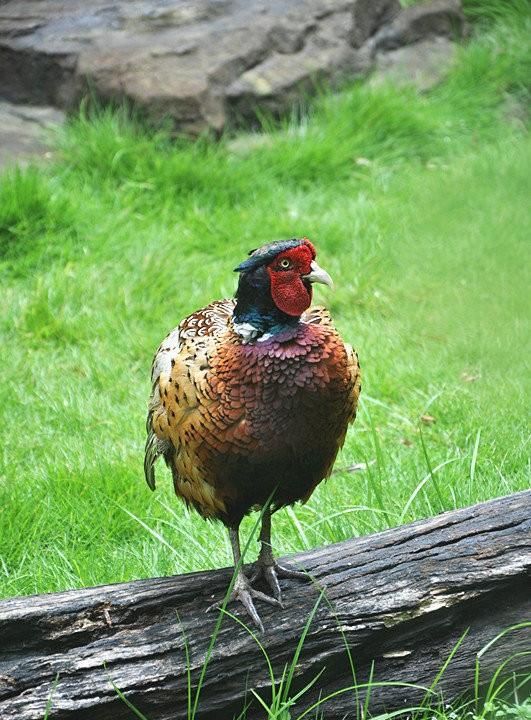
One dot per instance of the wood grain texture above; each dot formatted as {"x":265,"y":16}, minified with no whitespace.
{"x":402,"y":598}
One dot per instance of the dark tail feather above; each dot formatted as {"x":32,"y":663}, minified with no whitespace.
{"x":153,"y":450}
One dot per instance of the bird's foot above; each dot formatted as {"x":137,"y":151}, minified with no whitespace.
{"x":244,"y":592}
{"x":271,"y":571}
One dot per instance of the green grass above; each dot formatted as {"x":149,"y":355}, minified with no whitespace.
{"x":419,"y":208}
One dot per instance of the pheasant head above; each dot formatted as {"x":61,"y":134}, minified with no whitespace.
{"x":275,"y":287}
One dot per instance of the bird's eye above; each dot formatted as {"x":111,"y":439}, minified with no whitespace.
{"x":284,"y":263}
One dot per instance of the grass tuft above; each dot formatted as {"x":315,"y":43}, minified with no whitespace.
{"x":32,"y":205}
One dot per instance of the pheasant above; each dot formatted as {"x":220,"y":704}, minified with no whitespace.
{"x":251,"y":400}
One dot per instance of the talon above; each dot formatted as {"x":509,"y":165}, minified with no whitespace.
{"x":272,"y":580}
{"x":288,"y":573}
{"x":243,"y":592}
{"x":271,"y":571}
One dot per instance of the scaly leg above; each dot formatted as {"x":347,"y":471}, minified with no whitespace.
{"x":242,"y":590}
{"x":266,"y":566}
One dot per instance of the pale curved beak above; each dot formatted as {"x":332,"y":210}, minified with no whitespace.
{"x":318,"y":275}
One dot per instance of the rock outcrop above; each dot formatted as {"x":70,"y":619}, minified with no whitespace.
{"x":24,"y":131}
{"x":204,"y":64}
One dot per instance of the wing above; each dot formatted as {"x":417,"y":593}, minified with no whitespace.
{"x":353,"y":368}
{"x":160,"y":369}
{"x":177,"y":376}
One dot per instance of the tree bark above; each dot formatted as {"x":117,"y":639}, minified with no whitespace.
{"x":400,"y":600}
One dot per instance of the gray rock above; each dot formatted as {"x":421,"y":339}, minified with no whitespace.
{"x":25,"y":131}
{"x":282,"y":80}
{"x":423,"y":64}
{"x":369,"y":16}
{"x":202,"y":63}
{"x":172,"y":58}
{"x":443,"y":18}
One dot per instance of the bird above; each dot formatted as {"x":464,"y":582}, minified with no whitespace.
{"x":250,"y":403}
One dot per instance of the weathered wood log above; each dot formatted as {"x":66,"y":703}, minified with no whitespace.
{"x":401,"y":598}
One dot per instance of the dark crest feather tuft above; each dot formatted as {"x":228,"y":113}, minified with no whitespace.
{"x":263,"y":255}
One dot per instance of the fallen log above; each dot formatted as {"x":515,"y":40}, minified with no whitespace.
{"x":401,"y":600}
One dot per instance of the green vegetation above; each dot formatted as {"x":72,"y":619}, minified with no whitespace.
{"x":419,"y":208}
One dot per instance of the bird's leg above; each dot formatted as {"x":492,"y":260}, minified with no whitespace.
{"x":266,"y":566}
{"x":242,"y":589}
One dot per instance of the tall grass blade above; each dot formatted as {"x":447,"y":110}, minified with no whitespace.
{"x":430,"y":471}
{"x":49,"y":701}
{"x":127,"y":702}
{"x":300,"y":644}
{"x":474,"y":460}
{"x":219,"y":620}
{"x":419,"y":487}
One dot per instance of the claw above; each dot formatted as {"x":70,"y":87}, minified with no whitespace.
{"x":271,"y":572}
{"x":243,"y":592}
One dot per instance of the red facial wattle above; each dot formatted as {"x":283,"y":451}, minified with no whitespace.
{"x":289,"y":292}
{"x":292,"y":298}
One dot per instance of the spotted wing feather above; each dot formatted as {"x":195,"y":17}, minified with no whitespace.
{"x":160,"y":368}
{"x":176,"y":357}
